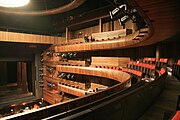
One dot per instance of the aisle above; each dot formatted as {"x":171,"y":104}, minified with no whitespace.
{"x":166,"y":103}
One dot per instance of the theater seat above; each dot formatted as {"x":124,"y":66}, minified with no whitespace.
{"x":176,"y":116}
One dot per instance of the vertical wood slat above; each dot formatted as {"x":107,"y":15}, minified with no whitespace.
{"x":29,"y":38}
{"x":88,"y":31}
{"x":19,"y":78}
{"x":100,"y":25}
{"x":67,"y":34}
{"x":24,"y":77}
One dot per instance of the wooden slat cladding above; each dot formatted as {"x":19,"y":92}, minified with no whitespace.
{"x":106,"y":73}
{"x":109,"y":35}
{"x":76,"y":41}
{"x":110,"y":61}
{"x":164,"y":18}
{"x":51,"y":97}
{"x":74,"y":63}
{"x":126,"y":41}
{"x":29,"y":38}
{"x":71,"y":90}
{"x":95,"y":85}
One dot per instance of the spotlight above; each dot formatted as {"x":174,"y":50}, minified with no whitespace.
{"x":120,"y":13}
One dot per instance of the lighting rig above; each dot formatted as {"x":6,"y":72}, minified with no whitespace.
{"x":124,"y":12}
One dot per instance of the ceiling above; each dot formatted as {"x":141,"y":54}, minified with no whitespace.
{"x":49,"y":24}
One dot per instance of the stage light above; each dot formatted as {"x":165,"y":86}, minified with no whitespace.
{"x":117,"y":10}
{"x":13,"y":3}
{"x":120,"y":13}
{"x":123,"y":13}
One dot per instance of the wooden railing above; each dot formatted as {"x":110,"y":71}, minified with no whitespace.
{"x":122,"y":42}
{"x":106,"y":73}
{"x":131,"y":97}
{"x":78,"y":102}
{"x":29,"y":38}
{"x":110,"y":61}
{"x":110,"y":35}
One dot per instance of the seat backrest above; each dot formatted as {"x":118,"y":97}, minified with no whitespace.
{"x":163,"y":60}
{"x":178,"y":62}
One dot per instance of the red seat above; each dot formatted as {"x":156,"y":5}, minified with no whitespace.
{"x":178,"y":62}
{"x":139,"y":74}
{"x":152,"y":67}
{"x":162,"y":71}
{"x":176,"y":116}
{"x":124,"y":69}
{"x":153,"y":59}
{"x":146,"y":59}
{"x":163,"y":60}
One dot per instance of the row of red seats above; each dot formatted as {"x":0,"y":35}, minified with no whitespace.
{"x":146,"y":59}
{"x":163,"y":60}
{"x":136,"y":75}
{"x":150,"y":66}
{"x":135,"y":72}
{"x":144,"y":67}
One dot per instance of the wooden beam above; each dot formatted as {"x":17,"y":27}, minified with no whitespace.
{"x":67,"y":34}
{"x":100,"y":25}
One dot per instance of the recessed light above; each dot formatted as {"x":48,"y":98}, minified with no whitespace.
{"x":13,"y":3}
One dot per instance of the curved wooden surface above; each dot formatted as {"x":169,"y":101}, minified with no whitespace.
{"x":163,"y":21}
{"x":111,"y":44}
{"x":103,"y":101}
{"x":70,"y":6}
{"x":117,"y":75}
{"x":163,"y":16}
{"x":29,"y":38}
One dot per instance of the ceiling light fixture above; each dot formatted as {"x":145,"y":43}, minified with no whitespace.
{"x":13,"y":3}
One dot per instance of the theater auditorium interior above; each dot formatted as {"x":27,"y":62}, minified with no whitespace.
{"x":90,"y":59}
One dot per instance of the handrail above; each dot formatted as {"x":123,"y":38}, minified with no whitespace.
{"x":74,"y":103}
{"x":122,"y":42}
{"x":106,"y":73}
{"x":89,"y":100}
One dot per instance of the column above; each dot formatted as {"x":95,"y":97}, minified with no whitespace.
{"x":100,"y":25}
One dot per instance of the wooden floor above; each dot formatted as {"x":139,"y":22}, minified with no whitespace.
{"x":166,"y":102}
{"x":11,"y":94}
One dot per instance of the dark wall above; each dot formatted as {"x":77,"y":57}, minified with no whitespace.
{"x":11,"y":72}
{"x":133,"y":53}
{"x":8,"y":72}
{"x":3,"y":76}
{"x":29,"y":76}
{"x":170,"y":49}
